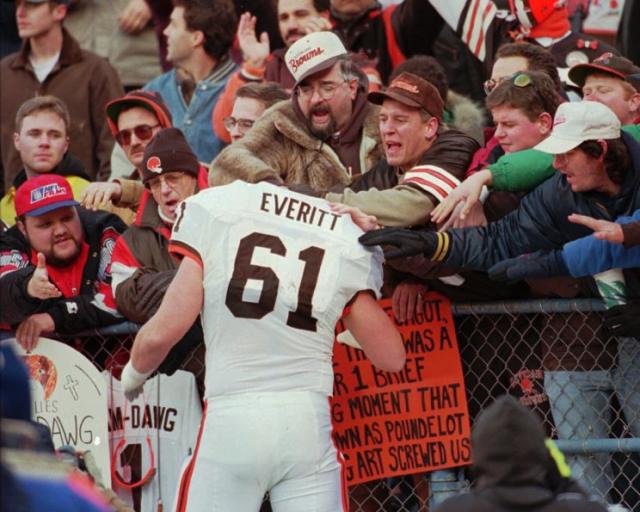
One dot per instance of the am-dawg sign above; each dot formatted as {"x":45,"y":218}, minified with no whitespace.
{"x":68,"y":395}
{"x":412,"y":421}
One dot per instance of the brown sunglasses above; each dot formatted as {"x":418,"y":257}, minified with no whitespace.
{"x":142,"y":131}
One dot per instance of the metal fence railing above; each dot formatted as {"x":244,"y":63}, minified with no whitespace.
{"x":553,"y":355}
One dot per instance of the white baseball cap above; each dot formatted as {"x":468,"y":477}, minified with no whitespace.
{"x":578,"y":121}
{"x":313,"y":53}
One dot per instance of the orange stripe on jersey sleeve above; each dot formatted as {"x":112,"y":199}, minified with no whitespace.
{"x":185,"y":251}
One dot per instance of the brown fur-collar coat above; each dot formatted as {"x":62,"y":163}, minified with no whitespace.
{"x":279,"y":148}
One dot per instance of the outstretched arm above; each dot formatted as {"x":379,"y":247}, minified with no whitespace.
{"x":177,"y":313}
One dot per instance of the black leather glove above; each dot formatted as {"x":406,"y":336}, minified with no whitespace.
{"x":435,"y":246}
{"x":623,"y":320}
{"x":536,"y":264}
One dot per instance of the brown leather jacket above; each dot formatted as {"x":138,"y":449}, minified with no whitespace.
{"x":84,"y":81}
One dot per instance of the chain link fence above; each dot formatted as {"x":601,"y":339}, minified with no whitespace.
{"x":553,"y":355}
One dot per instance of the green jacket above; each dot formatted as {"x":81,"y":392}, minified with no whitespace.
{"x":524,"y":170}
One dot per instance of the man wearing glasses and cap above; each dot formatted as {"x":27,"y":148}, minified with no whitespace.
{"x":325,"y":135}
{"x":133,"y":120}
{"x":328,"y":134}
{"x":142,"y":267}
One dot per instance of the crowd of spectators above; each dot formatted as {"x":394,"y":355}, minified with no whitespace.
{"x":471,"y":139}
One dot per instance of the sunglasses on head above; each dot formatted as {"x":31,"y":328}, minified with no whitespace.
{"x":519,"y":80}
{"x":142,"y":131}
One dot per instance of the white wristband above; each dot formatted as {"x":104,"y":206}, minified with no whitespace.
{"x":132,"y":378}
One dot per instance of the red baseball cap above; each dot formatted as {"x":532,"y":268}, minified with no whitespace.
{"x":43,"y":194}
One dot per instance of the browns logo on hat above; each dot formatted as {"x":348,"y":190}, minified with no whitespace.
{"x":607,"y":64}
{"x":312,"y":53}
{"x":168,"y":151}
{"x":413,"y":91}
{"x":154,"y":165}
{"x":43,"y":194}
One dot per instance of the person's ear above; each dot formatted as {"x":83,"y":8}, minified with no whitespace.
{"x":21,"y":227}
{"x":605,"y":148}
{"x":59,"y":12}
{"x":197,"y":38}
{"x":545,"y":123}
{"x":353,"y":88}
{"x":432,"y":126}
{"x":634,"y":103}
{"x":16,"y":141}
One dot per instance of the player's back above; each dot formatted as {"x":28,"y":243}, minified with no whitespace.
{"x":279,"y":269}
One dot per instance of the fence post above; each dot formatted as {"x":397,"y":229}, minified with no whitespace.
{"x":444,"y":484}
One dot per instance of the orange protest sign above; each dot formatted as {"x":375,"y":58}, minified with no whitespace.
{"x":416,"y":420}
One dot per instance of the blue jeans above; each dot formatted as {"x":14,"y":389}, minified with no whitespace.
{"x":580,"y":404}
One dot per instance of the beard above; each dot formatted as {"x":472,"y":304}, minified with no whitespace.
{"x":322,"y":132}
{"x":56,"y":260}
{"x":294,"y":33}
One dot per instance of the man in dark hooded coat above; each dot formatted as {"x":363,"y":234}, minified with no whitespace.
{"x":514,"y":470}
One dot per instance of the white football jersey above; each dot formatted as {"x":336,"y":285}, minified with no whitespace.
{"x":159,"y":429}
{"x":279,"y":269}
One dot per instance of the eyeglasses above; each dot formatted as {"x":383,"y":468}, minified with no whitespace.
{"x":142,"y":131}
{"x":491,"y":84}
{"x":171,"y":179}
{"x":244,"y":125}
{"x":326,"y":90}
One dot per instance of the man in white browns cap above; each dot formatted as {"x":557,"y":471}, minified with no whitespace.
{"x":323,"y":137}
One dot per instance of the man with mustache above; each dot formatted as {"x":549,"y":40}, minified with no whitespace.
{"x":55,"y":263}
{"x":142,"y":267}
{"x":325,"y":135}
{"x":133,"y":120}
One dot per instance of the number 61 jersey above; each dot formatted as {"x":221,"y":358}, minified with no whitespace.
{"x":278,"y":270}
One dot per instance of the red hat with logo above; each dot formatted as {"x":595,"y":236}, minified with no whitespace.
{"x":43,"y":194}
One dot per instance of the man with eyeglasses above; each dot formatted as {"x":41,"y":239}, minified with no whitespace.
{"x":251,"y":101}
{"x":514,"y":57}
{"x":142,"y":267}
{"x":133,"y":120}
{"x":323,"y":137}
